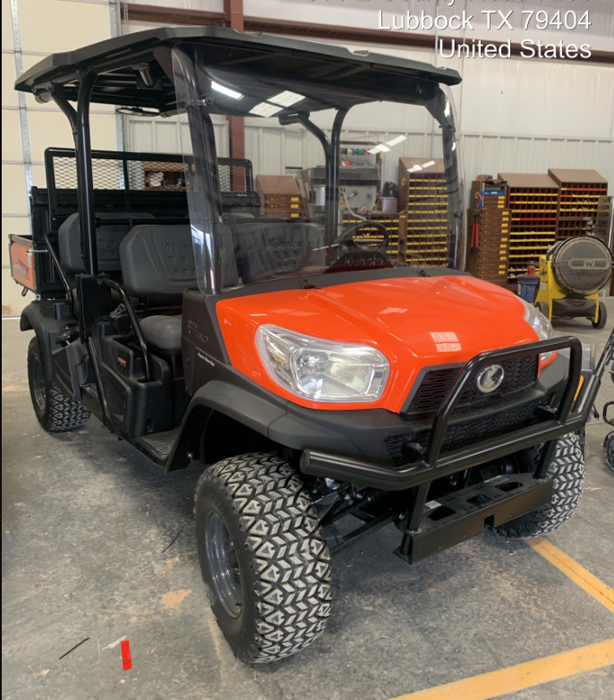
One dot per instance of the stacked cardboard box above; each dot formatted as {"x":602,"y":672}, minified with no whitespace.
{"x":280,"y":196}
{"x":492,"y":257}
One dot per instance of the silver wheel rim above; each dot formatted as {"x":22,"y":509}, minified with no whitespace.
{"x":223,"y":564}
{"x":38,"y":385}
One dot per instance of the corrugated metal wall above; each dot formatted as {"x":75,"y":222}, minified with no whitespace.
{"x":514,"y":115}
{"x":272,"y":148}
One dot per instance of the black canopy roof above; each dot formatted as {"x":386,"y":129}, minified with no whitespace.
{"x":136,"y":70}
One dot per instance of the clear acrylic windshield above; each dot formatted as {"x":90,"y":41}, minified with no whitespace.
{"x":330,"y":183}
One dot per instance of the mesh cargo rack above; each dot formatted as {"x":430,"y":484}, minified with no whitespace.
{"x":140,"y":182}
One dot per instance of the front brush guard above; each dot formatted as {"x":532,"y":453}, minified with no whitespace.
{"x":568,"y":417}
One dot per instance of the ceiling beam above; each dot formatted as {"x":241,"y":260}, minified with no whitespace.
{"x":233,"y":11}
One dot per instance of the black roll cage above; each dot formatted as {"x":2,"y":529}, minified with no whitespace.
{"x":112,"y":72}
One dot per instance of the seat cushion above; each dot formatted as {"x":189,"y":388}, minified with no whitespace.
{"x":108,"y":238}
{"x":267,"y":249}
{"x":163,"y":332}
{"x":158,"y":260}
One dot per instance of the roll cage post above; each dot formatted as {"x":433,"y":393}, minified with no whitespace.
{"x":80,"y":124}
{"x":331,"y":149}
{"x":440,"y":108}
{"x":79,"y":120}
{"x":332,"y":179}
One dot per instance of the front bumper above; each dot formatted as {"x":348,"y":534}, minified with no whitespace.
{"x":431,"y":464}
{"x":460,"y":515}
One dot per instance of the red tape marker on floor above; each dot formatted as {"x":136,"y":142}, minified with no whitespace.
{"x":126,"y":656}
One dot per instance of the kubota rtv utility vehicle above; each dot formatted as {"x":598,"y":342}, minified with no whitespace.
{"x":319,"y":377}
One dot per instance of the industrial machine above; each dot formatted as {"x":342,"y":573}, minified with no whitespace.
{"x":358,"y":183}
{"x":572,"y":273}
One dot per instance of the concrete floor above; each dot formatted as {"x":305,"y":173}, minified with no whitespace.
{"x":87,"y":530}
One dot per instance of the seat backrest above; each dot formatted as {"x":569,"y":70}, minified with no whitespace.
{"x":158,"y":260}
{"x":268,"y":249}
{"x":108,"y":239}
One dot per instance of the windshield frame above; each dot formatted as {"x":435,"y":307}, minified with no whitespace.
{"x":191,"y":72}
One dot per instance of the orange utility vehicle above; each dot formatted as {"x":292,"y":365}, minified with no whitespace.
{"x":328,"y":387}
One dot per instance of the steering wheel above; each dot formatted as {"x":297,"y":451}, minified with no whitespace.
{"x":345,"y":243}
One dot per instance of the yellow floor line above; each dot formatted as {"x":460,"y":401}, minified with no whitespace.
{"x":578,"y":574}
{"x":527,"y":675}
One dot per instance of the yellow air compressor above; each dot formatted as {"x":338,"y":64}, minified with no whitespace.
{"x":570,"y":276}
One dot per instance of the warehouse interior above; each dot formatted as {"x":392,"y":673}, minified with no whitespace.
{"x":103,"y":591}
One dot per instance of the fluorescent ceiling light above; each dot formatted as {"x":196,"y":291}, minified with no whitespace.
{"x":428,"y":165}
{"x":286,"y":98}
{"x":379,"y":149}
{"x":264,"y":109}
{"x":395,"y":141}
{"x":226,"y":91}
{"x":415,"y":168}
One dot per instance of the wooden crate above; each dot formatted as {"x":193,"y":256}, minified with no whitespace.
{"x":280,"y":196}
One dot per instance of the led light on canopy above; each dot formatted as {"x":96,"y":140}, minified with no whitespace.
{"x":225,"y":90}
{"x":286,"y":98}
{"x":264,"y":109}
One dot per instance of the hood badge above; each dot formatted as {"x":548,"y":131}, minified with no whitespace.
{"x":490,"y":378}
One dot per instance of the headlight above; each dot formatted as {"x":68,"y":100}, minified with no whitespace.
{"x":540,"y":324}
{"x":322,"y":370}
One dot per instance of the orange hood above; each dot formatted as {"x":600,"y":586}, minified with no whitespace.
{"x":414,"y":322}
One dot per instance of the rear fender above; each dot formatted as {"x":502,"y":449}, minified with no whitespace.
{"x":32,"y":319}
{"x":60,"y":364}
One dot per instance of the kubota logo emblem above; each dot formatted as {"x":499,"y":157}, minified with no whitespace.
{"x":490,"y":378}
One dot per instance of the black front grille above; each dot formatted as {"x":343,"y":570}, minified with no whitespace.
{"x":519,"y":375}
{"x":493,"y":425}
{"x":500,"y":421}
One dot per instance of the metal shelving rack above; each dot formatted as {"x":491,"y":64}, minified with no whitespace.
{"x":533,"y":202}
{"x":488,"y":257}
{"x":580,"y":191}
{"x":423,"y":194}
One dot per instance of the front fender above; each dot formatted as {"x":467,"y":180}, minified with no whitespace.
{"x":246,"y":405}
{"x":359,"y":432}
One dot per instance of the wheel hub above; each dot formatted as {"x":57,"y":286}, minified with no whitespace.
{"x":223,"y":564}
{"x":38,"y":386}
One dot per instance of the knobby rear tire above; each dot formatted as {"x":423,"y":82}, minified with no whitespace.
{"x":55,"y":412}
